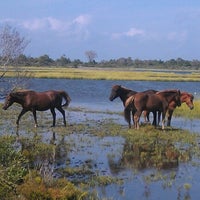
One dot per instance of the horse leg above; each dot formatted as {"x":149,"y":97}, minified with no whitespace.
{"x":169,"y":117}
{"x":159,"y":115}
{"x":133,"y":113}
{"x":146,"y":116}
{"x":136,"y":119}
{"x":154,"y":123}
{"x":163,"y":120}
{"x":54,"y":116}
{"x":63,"y":113}
{"x":35,"y":118}
{"x":20,"y":115}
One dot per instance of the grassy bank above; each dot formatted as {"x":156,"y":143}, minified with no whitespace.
{"x":107,"y":74}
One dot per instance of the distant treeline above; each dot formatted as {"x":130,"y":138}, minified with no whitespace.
{"x":63,"y":61}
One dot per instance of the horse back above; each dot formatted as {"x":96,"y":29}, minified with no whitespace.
{"x":149,"y":102}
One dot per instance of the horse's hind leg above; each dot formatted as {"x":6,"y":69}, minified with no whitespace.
{"x":63,"y":113}
{"x":35,"y":118}
{"x":54,"y":116}
{"x":137,"y":119}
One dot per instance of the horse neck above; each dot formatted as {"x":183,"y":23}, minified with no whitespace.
{"x":170,"y":96}
{"x":125,"y":94}
{"x":19,"y":99}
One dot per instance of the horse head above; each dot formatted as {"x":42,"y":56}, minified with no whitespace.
{"x":8,"y":101}
{"x":114,"y":92}
{"x":188,"y":99}
{"x":13,"y":97}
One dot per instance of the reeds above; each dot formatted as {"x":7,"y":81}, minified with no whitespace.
{"x":106,"y":74}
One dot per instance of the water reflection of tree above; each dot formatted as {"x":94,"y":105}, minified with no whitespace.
{"x":141,"y":155}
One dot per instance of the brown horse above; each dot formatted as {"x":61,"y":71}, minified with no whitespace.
{"x":151,"y":102}
{"x":185,"y":98}
{"x":124,"y":93}
{"x":38,"y":101}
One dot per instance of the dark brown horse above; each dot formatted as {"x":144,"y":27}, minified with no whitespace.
{"x":151,"y":102}
{"x":121,"y":92}
{"x":124,"y":93}
{"x":185,"y":98}
{"x":38,"y":101}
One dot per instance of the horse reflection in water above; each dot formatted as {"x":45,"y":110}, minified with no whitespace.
{"x":158,"y":102}
{"x":38,"y":101}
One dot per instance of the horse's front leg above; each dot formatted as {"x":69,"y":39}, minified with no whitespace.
{"x":54,"y":116}
{"x":163,"y":119}
{"x":35,"y":118}
{"x":20,"y":115}
{"x":169,"y":117}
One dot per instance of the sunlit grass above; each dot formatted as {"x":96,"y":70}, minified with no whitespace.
{"x":184,"y":111}
{"x":106,"y":74}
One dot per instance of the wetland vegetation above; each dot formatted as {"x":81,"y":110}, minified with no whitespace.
{"x":41,"y":163}
{"x":106,"y":73}
{"x":96,"y":157}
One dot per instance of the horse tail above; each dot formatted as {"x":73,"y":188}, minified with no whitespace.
{"x":66,"y":97}
{"x":129,"y":106}
{"x":129,"y":102}
{"x":127,"y":115}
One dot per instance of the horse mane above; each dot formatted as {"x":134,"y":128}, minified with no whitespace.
{"x":116,"y":87}
{"x":187,"y":93}
{"x":168,"y":91}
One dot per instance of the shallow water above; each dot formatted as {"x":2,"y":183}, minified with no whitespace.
{"x":103,"y":154}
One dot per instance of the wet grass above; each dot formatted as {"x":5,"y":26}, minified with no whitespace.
{"x":145,"y":148}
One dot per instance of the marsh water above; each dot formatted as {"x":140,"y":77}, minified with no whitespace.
{"x":93,"y":95}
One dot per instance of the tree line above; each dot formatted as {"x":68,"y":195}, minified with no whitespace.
{"x":63,"y":61}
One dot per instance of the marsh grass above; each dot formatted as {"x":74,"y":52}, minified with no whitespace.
{"x":143,"y":149}
{"x":106,"y":74}
{"x":185,"y":112}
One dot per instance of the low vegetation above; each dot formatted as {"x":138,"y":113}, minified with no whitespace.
{"x":27,"y":167}
{"x":107,"y":74}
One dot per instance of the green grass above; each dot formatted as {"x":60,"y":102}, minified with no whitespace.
{"x":105,"y":74}
{"x":185,"y":112}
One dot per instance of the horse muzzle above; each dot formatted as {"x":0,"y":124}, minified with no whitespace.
{"x":111,"y":98}
{"x":4,"y":107}
{"x":191,"y":107}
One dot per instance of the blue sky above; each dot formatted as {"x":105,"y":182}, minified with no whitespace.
{"x":140,"y":29}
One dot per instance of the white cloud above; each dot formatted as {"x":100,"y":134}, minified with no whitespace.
{"x":82,"y":20}
{"x":130,"y":33}
{"x":133,"y":32}
{"x":177,"y":36}
{"x":55,"y":24}
{"x":77,"y":27}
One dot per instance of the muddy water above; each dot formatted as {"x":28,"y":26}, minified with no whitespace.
{"x":103,"y":154}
